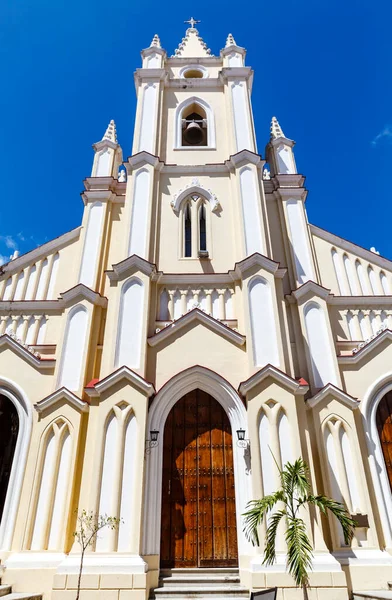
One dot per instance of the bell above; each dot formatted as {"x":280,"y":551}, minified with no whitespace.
{"x":193,"y":134}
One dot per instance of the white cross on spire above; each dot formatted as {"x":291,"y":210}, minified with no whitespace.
{"x":192,"y":22}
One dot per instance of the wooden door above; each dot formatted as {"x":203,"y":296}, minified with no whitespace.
{"x":198,"y":500}
{"x":384,"y":426}
{"x":9,"y":427}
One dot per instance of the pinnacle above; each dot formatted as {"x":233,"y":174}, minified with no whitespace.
{"x":156,"y":42}
{"x":110,"y":133}
{"x":230,"y":41}
{"x":276,"y":130}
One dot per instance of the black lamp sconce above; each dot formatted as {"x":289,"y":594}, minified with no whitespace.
{"x":153,"y":441}
{"x":243,"y":442}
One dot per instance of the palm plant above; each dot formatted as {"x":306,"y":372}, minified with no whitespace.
{"x":294,"y":494}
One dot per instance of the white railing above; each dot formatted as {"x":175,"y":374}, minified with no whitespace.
{"x":175,"y":301}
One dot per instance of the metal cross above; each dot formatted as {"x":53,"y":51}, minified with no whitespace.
{"x":192,"y":22}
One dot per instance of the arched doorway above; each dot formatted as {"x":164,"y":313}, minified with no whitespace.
{"x":384,"y":427}
{"x":198,"y":523}
{"x":9,"y":429}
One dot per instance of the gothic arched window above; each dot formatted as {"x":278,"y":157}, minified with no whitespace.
{"x":195,"y":232}
{"x":188,"y":230}
{"x":202,"y":229}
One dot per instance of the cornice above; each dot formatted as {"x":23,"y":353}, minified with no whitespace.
{"x":32,"y":306}
{"x":55,"y":398}
{"x":123,"y":372}
{"x":105,"y":143}
{"x":350,"y":302}
{"x":153,"y":50}
{"x":290,"y":193}
{"x":184,"y":60}
{"x":244,"y":156}
{"x":143,"y":158}
{"x":143,"y":74}
{"x":358,"y":251}
{"x":233,"y":48}
{"x":199,"y":316}
{"x":281,"y":140}
{"x":196,"y":169}
{"x":194,"y":278}
{"x":312,"y":288}
{"x":242,"y":268}
{"x":131,"y":265}
{"x":331,"y":391}
{"x":365,"y":350}
{"x":97,"y":196}
{"x":199,"y":83}
{"x":41,"y":364}
{"x":42,"y":251}
{"x":277,"y":375}
{"x":82,"y":292}
{"x":229,"y":73}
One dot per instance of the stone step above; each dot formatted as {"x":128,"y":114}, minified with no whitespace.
{"x":22,"y":596}
{"x":210,"y":580}
{"x":4,"y":590}
{"x":199,"y":572}
{"x":373,"y":595}
{"x":201,"y":591}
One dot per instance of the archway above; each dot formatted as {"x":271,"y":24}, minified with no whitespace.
{"x":198,"y":527}
{"x":9,"y":429}
{"x":204,"y":379}
{"x":384,"y":427}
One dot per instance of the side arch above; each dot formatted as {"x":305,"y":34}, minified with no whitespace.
{"x":382,"y":489}
{"x":23,"y":407}
{"x":182,"y":383}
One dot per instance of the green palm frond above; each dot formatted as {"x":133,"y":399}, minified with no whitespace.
{"x":295,"y":479}
{"x":273,"y":524}
{"x":299,"y":551}
{"x":256,"y":511}
{"x":339,"y":511}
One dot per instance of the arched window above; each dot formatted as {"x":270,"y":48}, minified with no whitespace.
{"x":202,"y":229}
{"x":187,"y":231}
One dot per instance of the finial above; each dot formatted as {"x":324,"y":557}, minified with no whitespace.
{"x":156,"y":42}
{"x":276,"y":130}
{"x":110,"y":133}
{"x":192,"y":22}
{"x":230,"y":41}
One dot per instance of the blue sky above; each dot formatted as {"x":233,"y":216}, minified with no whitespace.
{"x":323,"y":68}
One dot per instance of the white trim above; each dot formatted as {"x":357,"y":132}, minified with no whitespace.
{"x":15,"y":346}
{"x":381,"y":485}
{"x":270,"y":371}
{"x":201,"y":317}
{"x":124,"y":372}
{"x":172,"y":391}
{"x":25,"y":414}
{"x":194,"y":188}
{"x":61,"y":394}
{"x":94,"y":562}
{"x":334,"y":392}
{"x":363,"y":352}
{"x":193,"y":67}
{"x":178,"y":123}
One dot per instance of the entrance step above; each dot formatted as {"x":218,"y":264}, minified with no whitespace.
{"x":4,"y":590}
{"x":214,"y":584}
{"x":373,"y":595}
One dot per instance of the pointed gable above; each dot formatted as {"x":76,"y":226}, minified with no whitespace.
{"x":192,"y":46}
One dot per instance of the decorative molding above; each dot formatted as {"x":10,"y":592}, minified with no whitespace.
{"x":312,"y":288}
{"x":61,"y":394}
{"x":195,"y":187}
{"x":385,"y":335}
{"x":32,"y":306}
{"x":369,"y":302}
{"x":242,"y":268}
{"x":42,"y":364}
{"x":331,"y":390}
{"x":358,"y":251}
{"x":244,"y":156}
{"x":123,"y":372}
{"x":42,"y":251}
{"x":129,"y":266}
{"x":193,"y":67}
{"x":140,"y":159}
{"x":82,"y":292}
{"x":293,"y":385}
{"x":198,"y":316}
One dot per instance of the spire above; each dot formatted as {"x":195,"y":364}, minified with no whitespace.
{"x":276,"y":130}
{"x":111,"y":133}
{"x":230,"y":41}
{"x":192,"y":45}
{"x":156,"y":42}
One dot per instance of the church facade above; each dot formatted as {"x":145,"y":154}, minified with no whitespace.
{"x":156,"y":361}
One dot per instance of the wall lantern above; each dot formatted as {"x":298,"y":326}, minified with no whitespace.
{"x":153,"y":441}
{"x":243,"y":442}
